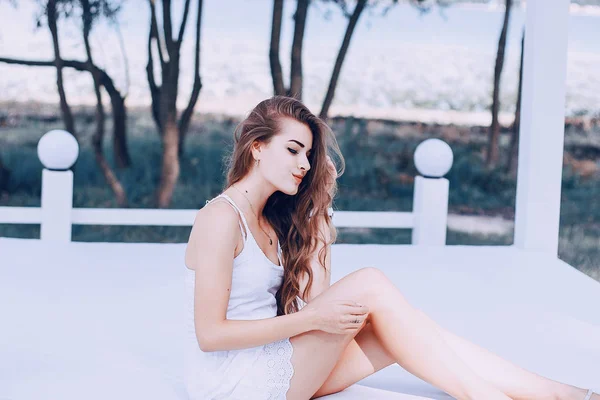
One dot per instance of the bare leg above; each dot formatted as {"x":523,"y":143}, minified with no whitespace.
{"x":420,"y":349}
{"x":398,"y":327}
{"x":369,"y":353}
{"x":514,"y":381}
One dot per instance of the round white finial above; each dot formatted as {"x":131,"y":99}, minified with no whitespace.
{"x":58,"y":150}
{"x":433,"y":158}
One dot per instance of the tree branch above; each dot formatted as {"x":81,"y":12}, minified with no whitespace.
{"x":492,"y":155}
{"x":30,"y":63}
{"x":276,"y":71}
{"x":52,"y":17}
{"x":154,"y":89}
{"x":183,"y":22}
{"x":167,"y":25}
{"x":186,"y":116}
{"x":82,"y":66}
{"x":154,"y":31}
{"x":360,"y":6}
{"x":296,"y":65}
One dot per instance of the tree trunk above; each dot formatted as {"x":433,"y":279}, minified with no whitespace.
{"x":4,"y":177}
{"x":186,"y":116}
{"x":493,"y":151}
{"x":164,"y":97}
{"x":97,"y":138}
{"x":276,"y":71}
{"x":340,"y":57}
{"x":120,"y":146}
{"x":296,"y":65}
{"x":119,"y":112}
{"x":170,"y":131}
{"x":170,"y":162}
{"x":64,"y":105}
{"x":513,"y":153}
{"x":169,"y":91}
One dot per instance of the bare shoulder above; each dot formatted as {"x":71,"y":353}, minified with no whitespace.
{"x":215,"y":229}
{"x":217,"y":210}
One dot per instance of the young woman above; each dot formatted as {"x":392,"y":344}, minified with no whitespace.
{"x":264,"y":322}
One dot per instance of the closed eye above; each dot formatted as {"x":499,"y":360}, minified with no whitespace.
{"x":292,"y":151}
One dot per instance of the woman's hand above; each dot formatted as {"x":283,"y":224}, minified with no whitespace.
{"x":338,"y":316}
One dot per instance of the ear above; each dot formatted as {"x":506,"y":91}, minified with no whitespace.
{"x":256,"y":149}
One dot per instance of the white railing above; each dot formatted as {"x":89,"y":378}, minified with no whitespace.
{"x":58,"y":151}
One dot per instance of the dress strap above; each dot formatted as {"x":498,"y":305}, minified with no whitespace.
{"x":237,"y":209}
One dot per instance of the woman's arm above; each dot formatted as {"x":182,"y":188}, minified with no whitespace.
{"x":210,"y":252}
{"x":321,"y":277}
{"x":242,"y":334}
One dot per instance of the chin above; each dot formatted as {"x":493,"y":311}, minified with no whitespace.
{"x":290,"y":190}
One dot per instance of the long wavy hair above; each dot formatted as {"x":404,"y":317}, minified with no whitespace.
{"x":298,"y":233}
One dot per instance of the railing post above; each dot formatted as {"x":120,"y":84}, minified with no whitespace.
{"x":433,"y":159}
{"x":58,"y":151}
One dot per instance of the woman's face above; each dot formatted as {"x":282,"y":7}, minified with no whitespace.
{"x":284,"y":161}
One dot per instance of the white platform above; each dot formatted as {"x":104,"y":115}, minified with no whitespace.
{"x":99,"y":320}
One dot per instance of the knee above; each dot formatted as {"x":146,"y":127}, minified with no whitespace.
{"x":380,"y":289}
{"x":372,"y":275}
{"x":372,"y":280}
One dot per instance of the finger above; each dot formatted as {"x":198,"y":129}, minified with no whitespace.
{"x":351,"y":329}
{"x":353,"y":323}
{"x":350,"y":303}
{"x":353,"y":303}
{"x":355,"y":310}
{"x":359,"y":310}
{"x":358,"y":313}
{"x":354,"y":319}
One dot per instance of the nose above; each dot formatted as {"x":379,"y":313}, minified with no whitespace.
{"x":305,"y":165}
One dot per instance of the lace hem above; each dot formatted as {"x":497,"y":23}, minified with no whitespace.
{"x":280,"y":369}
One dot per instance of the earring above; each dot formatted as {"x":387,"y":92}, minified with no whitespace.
{"x":256,"y":162}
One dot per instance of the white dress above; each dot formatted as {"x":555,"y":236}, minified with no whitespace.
{"x":257,"y":373}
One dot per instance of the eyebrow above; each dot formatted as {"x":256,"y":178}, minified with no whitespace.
{"x":299,"y":144}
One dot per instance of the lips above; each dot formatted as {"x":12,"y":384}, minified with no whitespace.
{"x":298,"y":178}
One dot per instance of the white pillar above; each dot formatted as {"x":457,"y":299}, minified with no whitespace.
{"x":58,"y":151}
{"x":430,"y":209}
{"x":433,"y":159}
{"x":57,"y":204}
{"x":542,"y":126}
